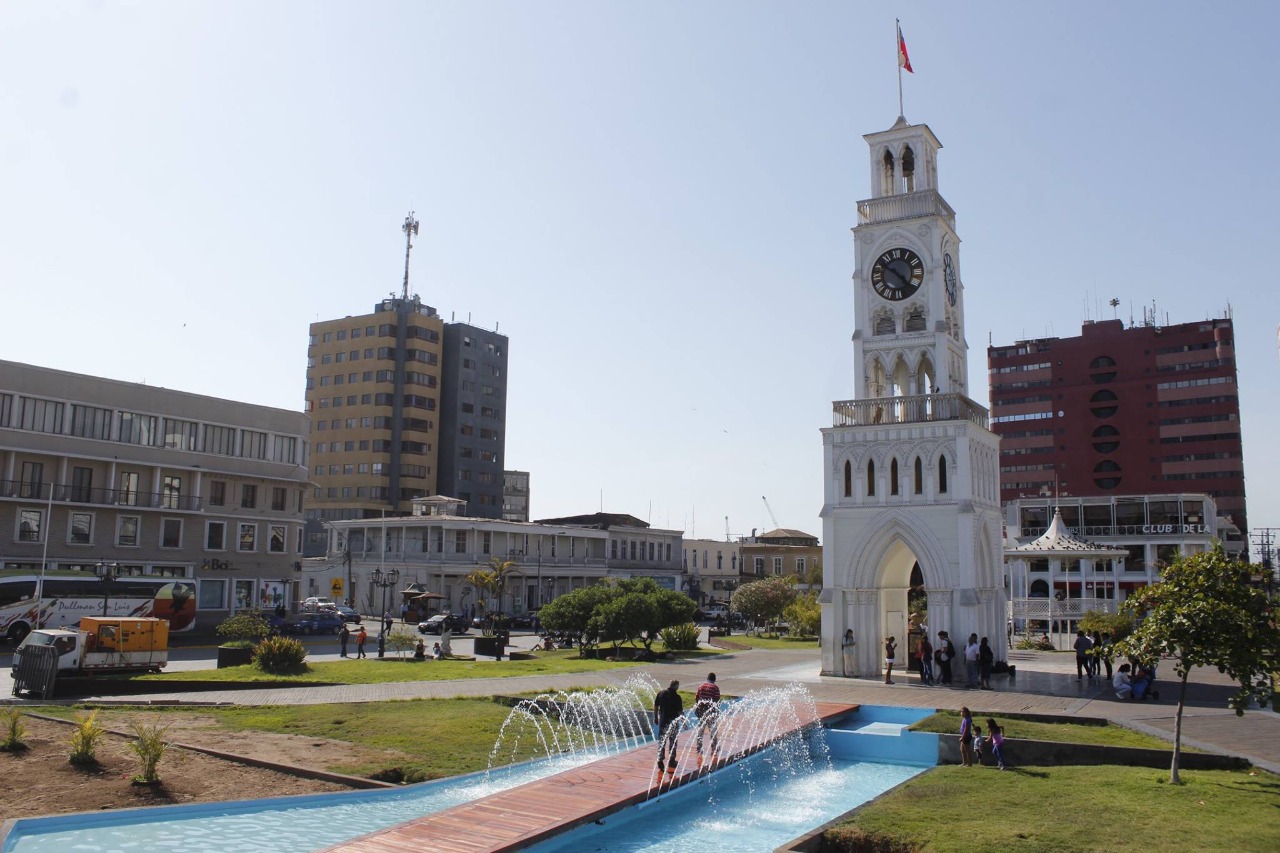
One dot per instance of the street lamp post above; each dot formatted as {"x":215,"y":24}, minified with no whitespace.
{"x":106,"y":572}
{"x":386,"y":580}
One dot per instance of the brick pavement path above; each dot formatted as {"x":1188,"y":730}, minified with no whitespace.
{"x":1045,"y":684}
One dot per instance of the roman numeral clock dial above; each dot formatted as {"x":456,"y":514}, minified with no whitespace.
{"x":897,"y":274}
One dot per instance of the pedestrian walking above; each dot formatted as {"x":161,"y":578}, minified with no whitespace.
{"x":943,"y":656}
{"x":995,"y":735}
{"x":924,"y":654}
{"x":890,"y":648}
{"x":966,"y":737}
{"x":387,"y":621}
{"x":706,"y":708}
{"x":343,"y":637}
{"x":360,"y":638}
{"x":986,"y":660}
{"x":1105,"y":641}
{"x":667,"y":709}
{"x":404,"y":612}
{"x":971,"y":651}
{"x":1082,"y":645}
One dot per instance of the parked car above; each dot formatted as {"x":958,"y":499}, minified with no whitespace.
{"x":313,"y":604}
{"x":348,"y":614}
{"x":275,"y":622}
{"x":436,"y":624}
{"x":710,"y":612}
{"x":314,"y":623}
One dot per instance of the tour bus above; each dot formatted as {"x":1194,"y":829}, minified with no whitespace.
{"x":69,"y":595}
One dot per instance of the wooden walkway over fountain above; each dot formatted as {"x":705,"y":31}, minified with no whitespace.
{"x":527,"y":814}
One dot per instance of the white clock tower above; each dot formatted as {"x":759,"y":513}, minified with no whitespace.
{"x":911,"y":511}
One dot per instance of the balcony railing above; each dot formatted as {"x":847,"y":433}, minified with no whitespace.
{"x":1071,"y":608}
{"x":908,"y":410}
{"x":907,"y":206}
{"x":19,"y":490}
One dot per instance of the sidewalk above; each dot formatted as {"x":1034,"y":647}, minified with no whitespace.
{"x":1045,"y":684}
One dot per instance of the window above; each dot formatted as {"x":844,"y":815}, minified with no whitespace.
{"x":39,"y":415}
{"x":137,"y":429}
{"x":248,"y":496}
{"x":279,"y":499}
{"x":871,"y":478}
{"x":893,"y":477}
{"x":215,"y":536}
{"x":275,"y":544}
{"x":918,"y":476}
{"x":127,"y":494}
{"x":127,"y":530}
{"x":220,"y":440}
{"x":30,"y":524}
{"x":777,"y":565}
{"x":212,"y":594}
{"x":942,"y":475}
{"x":180,"y":435}
{"x":80,"y":529}
{"x":81,"y":484}
{"x":284,"y":448}
{"x":217,"y":493}
{"x":759,"y":565}
{"x":32,"y":480}
{"x":171,"y":533}
{"x":248,"y":537}
{"x":848,"y":479}
{"x":253,"y":444}
{"x":800,"y":565}
{"x":460,"y":541}
{"x":91,"y":422}
{"x":171,"y":492}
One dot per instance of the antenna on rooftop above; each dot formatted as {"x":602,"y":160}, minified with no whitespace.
{"x":410,"y":229}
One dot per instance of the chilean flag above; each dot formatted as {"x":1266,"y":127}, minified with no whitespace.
{"x":904,"y":61}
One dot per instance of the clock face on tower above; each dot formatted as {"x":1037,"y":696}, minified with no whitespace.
{"x":897,"y":274}
{"x":949,"y":274}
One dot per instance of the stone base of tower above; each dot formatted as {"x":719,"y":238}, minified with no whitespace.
{"x":908,"y":497}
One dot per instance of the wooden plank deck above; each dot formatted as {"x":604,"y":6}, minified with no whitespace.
{"x":524,"y":815}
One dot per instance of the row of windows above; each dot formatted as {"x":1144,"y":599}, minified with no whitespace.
{"x":1017,"y":368}
{"x":50,"y":416}
{"x":1030,"y":416}
{"x":485,"y":455}
{"x":378,"y":493}
{"x":631,"y":549}
{"x":1191,"y":347}
{"x":917,"y":478}
{"x":1015,"y":386}
{"x":383,"y":330}
{"x":1026,"y":433}
{"x":1196,"y":365}
{"x":382,"y":353}
{"x":1215,"y":436}
{"x":1026,"y":451}
{"x":485,"y":411}
{"x":81,"y":529}
{"x":486,"y":478}
{"x":489,"y":346}
{"x":1199,"y":419}
{"x":1016,"y":401}
{"x":129,"y":483}
{"x":1009,"y":469}
{"x":485,"y":432}
{"x":1189,"y":383}
{"x":1204,"y":475}
{"x":1196,"y":457}
{"x":1201,"y":401}
{"x":487,"y":390}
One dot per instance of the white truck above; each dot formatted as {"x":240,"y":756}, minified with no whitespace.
{"x":103,"y":645}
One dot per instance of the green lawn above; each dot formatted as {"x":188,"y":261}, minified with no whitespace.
{"x":773,"y":641}
{"x":948,"y":722}
{"x":1076,"y":808}
{"x":374,"y":671}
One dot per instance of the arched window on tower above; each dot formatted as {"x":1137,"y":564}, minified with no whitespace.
{"x":885,"y":324}
{"x":919,"y":476}
{"x":893,"y":477}
{"x":908,"y":170}
{"x":871,"y":478}
{"x":915,"y":320}
{"x":942,"y":475}
{"x":886,"y":179}
{"x":848,"y":479}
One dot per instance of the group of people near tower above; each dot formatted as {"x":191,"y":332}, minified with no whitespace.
{"x":935,"y":662}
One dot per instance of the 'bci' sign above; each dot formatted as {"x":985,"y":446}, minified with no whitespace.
{"x":217,"y":565}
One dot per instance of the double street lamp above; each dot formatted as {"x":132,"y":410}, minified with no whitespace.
{"x":386,"y":580}
{"x":106,"y":572}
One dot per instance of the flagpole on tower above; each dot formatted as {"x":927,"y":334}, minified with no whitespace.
{"x":898,"y":32}
{"x":903,"y":62}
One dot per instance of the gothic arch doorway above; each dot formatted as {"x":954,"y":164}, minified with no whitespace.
{"x":899,"y":574}
{"x":917,"y":617}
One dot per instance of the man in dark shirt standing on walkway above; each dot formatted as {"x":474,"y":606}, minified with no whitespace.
{"x":667,"y":708}
{"x":706,"y":707}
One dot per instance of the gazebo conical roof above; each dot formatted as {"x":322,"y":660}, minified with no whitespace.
{"x":1057,"y":541}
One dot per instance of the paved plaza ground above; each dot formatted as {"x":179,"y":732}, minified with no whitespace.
{"x":1045,"y":684}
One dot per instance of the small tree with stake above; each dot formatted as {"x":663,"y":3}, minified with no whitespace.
{"x":1203,"y":612}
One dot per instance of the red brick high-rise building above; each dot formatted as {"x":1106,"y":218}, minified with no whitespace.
{"x":1143,"y":410}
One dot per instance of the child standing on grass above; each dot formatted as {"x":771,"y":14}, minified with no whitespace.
{"x":996,"y":735}
{"x":966,"y":737}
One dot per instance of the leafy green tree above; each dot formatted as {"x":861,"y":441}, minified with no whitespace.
{"x":571,"y":613}
{"x":764,"y":600}
{"x":1203,"y":612}
{"x":624,"y":618}
{"x":244,"y":629}
{"x":804,"y":615}
{"x":669,"y":607}
{"x":1119,"y":624}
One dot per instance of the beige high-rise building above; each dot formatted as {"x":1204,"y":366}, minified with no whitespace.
{"x":373,"y":393}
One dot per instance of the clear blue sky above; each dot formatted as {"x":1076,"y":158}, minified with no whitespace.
{"x":652,"y":199}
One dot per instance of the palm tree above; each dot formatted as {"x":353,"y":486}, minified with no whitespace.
{"x":501,"y":571}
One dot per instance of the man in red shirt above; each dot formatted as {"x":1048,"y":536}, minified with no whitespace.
{"x":706,"y":707}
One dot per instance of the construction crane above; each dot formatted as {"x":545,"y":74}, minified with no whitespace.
{"x":772,"y":517}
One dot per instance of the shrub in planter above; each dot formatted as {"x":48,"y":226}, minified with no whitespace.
{"x":11,"y":730}
{"x":243,"y":629}
{"x":680,"y":638}
{"x":280,"y":656}
{"x":84,"y":740}
{"x":149,"y":747}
